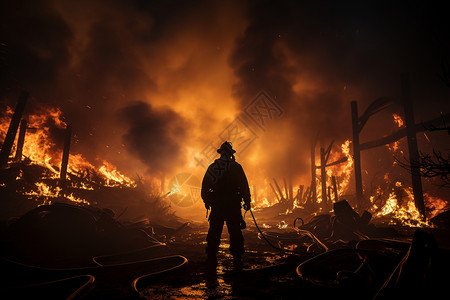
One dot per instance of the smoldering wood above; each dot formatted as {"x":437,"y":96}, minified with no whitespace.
{"x":65,"y":156}
{"x":12,"y":129}
{"x":21,"y":140}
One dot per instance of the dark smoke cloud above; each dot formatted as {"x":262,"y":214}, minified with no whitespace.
{"x":34,"y":44}
{"x":155,"y":136}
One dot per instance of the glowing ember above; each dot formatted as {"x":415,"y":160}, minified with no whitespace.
{"x":398,"y":120}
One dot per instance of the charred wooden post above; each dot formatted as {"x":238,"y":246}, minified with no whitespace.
{"x":291,"y":188}
{"x":278,"y":188}
{"x":329,"y":195}
{"x":300,"y":193}
{"x":313,"y":172}
{"x":65,"y":156}
{"x":324,"y":177}
{"x":12,"y":130}
{"x":21,"y":140}
{"x":357,"y":155}
{"x":273,"y":190}
{"x":414,"y":157}
{"x":286,"y":193}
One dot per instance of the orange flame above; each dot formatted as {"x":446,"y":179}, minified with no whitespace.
{"x":39,"y":149}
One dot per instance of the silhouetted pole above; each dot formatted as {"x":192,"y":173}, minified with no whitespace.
{"x":12,"y":130}
{"x":285,"y":188}
{"x":324,"y":177}
{"x":412,"y":145}
{"x":275,"y":193}
{"x":313,"y":172}
{"x":278,"y":188}
{"x":357,"y":155}
{"x":65,"y":157}
{"x":291,"y":188}
{"x":21,"y":140}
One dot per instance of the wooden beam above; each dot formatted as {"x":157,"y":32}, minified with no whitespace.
{"x":403,"y":132}
{"x":324,"y":178}
{"x":21,"y":140}
{"x":278,"y":188}
{"x":285,"y":188}
{"x":313,"y":171}
{"x":337,"y":162}
{"x":273,"y":190}
{"x":65,"y":156}
{"x":413,"y":150}
{"x":12,"y":130}
{"x":357,"y":155}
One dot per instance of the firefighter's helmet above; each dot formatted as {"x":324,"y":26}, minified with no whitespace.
{"x":226,"y":147}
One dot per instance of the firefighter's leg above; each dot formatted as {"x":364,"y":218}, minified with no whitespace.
{"x":213,"y":237}
{"x":236,"y":239}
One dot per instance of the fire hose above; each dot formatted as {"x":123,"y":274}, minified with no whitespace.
{"x":306,"y":232}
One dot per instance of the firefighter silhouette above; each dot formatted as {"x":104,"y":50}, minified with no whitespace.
{"x":224,"y":190}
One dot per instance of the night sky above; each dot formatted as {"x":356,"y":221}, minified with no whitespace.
{"x":156,"y":81}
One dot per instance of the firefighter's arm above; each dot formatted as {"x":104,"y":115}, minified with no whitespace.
{"x":245,"y":190}
{"x":206,"y":192}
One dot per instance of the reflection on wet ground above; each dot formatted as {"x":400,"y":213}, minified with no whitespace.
{"x":257,"y":281}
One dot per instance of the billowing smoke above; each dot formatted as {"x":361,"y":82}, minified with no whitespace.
{"x":154,"y":136}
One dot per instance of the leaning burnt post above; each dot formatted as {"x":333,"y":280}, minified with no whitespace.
{"x":412,"y":145}
{"x":65,"y":157}
{"x":278,"y":189}
{"x":357,"y":155}
{"x":12,"y":130}
{"x":323,"y":174}
{"x":21,"y":140}
{"x":313,"y":172}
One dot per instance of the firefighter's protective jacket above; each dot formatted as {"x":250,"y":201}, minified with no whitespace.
{"x":225,"y":185}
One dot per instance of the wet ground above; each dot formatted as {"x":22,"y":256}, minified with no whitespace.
{"x":268,"y":273}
